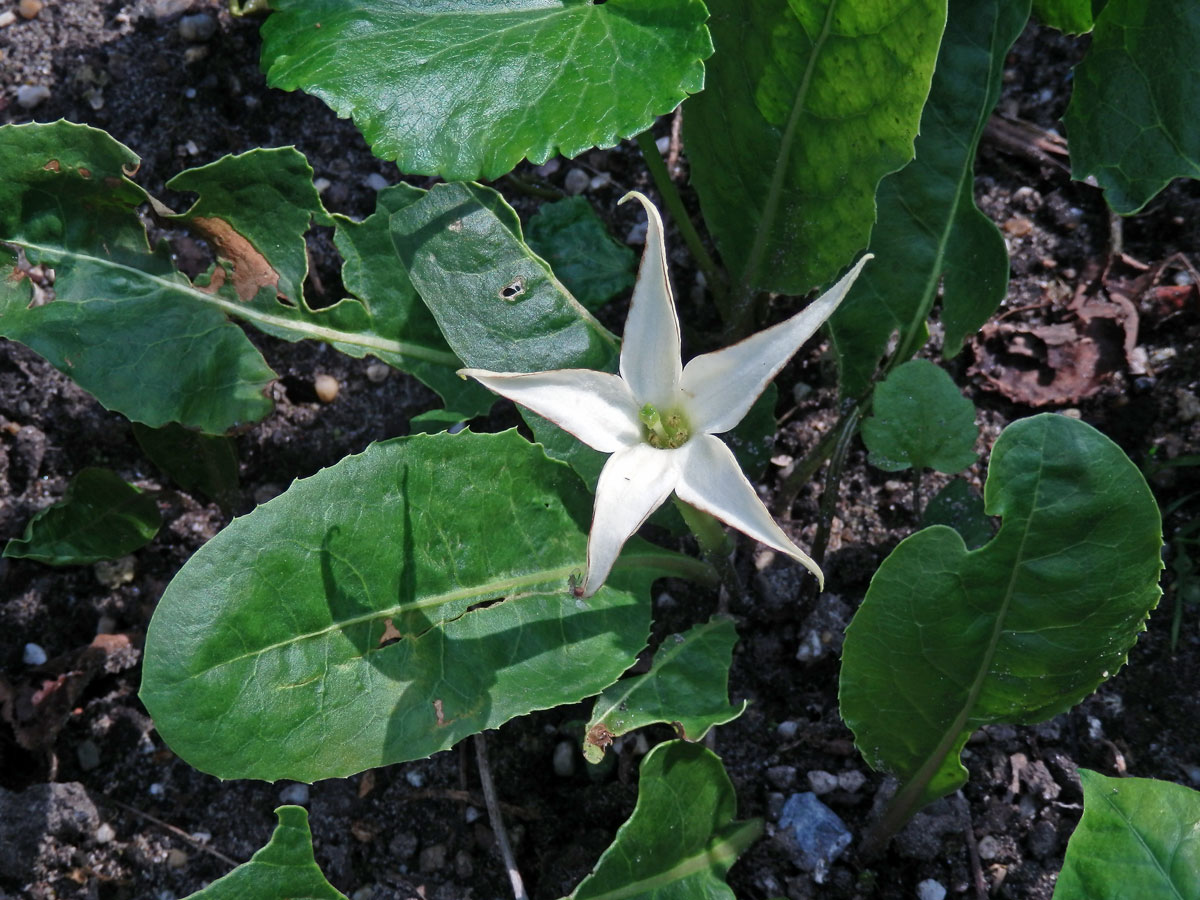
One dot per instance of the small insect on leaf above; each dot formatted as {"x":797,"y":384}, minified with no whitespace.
{"x":575,"y":583}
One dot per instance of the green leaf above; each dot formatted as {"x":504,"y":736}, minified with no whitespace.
{"x":1132,"y":118}
{"x":66,"y":204}
{"x":1017,"y":631}
{"x":468,"y":89}
{"x":807,"y":104}
{"x":101,"y":517}
{"x":283,"y":870}
{"x":681,"y":839}
{"x":204,"y":462}
{"x":753,"y":439}
{"x":498,"y":304}
{"x":686,"y":686}
{"x":586,"y":258}
{"x":959,"y":506}
{"x":1138,"y":838}
{"x":929,"y":227}
{"x":920,"y":420}
{"x":320,"y":635}
{"x":1068,"y":16}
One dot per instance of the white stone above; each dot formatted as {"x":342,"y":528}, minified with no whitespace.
{"x":295,"y":794}
{"x":34,"y":655}
{"x":576,"y":182}
{"x":30,"y":95}
{"x":822,"y":782}
{"x":931,"y":890}
{"x":564,"y":759}
{"x":376,"y":182}
{"x":851,"y":780}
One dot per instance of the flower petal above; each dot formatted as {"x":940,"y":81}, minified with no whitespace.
{"x":650,"y":350}
{"x":634,"y":482}
{"x":596,"y":407}
{"x":711,"y":480}
{"x":719,"y":388}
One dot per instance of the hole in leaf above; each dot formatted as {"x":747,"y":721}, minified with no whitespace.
{"x":390,"y":634}
{"x":513,"y":290}
{"x":484,"y":604}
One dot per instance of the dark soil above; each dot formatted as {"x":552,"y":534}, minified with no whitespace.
{"x":143,"y":824}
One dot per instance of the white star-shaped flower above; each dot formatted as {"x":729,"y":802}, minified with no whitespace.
{"x":658,"y":417}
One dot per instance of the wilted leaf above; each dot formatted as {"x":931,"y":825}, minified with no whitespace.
{"x":1132,"y":118}
{"x":466,"y":90}
{"x":586,"y":258}
{"x":681,"y":839}
{"x":929,"y":228}
{"x":285,"y":869}
{"x":320,"y":635}
{"x":948,"y":640}
{"x":920,"y":420}
{"x":1138,"y":838}
{"x":101,"y":517}
{"x":687,"y":686}
{"x":807,"y":104}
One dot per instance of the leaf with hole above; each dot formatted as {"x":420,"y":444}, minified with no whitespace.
{"x":320,"y":636}
{"x":930,"y":233}
{"x":682,"y":837}
{"x":920,"y":420}
{"x":687,"y":687}
{"x":466,"y":90}
{"x":807,"y":104}
{"x":284,"y":868}
{"x":101,"y":517}
{"x":950,"y":639}
{"x":1138,"y":837}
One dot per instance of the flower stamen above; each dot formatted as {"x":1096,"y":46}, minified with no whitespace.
{"x":666,"y":433}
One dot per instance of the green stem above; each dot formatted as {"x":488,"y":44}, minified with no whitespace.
{"x":678,"y":565}
{"x":846,"y":430}
{"x":670,"y":195}
{"x":715,"y":543}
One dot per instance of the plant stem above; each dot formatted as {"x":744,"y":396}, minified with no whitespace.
{"x":845,"y":431}
{"x":670,"y":195}
{"x":497,"y":820}
{"x":715,"y":543}
{"x":808,"y":467}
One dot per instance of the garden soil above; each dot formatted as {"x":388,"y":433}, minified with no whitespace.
{"x":101,"y":808}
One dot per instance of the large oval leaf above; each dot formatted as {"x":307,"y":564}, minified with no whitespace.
{"x":467,"y":89}
{"x":808,"y":103}
{"x":384,"y":609}
{"x":1017,"y":631}
{"x":1138,"y":838}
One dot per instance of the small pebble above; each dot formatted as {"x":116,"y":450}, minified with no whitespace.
{"x":197,"y":28}
{"x":363,"y":893}
{"x":30,"y":95}
{"x":104,"y":834}
{"x":378,"y":372}
{"x":822,"y":782}
{"x":1018,"y":226}
{"x":34,"y":655}
{"x":321,"y":184}
{"x":326,"y":387}
{"x":414,"y":778}
{"x":851,"y":780}
{"x":156,"y":790}
{"x":29,"y":8}
{"x":549,"y":167}
{"x":115,"y":572}
{"x":432,"y":858}
{"x":294,"y":794}
{"x":201,"y":837}
{"x":88,"y":754}
{"x":471,"y":815}
{"x":7,"y":18}
{"x":637,"y":234}
{"x":783,"y":777}
{"x":663,"y":144}
{"x":576,"y":182}
{"x":931,"y":890}
{"x":603,"y":180}
{"x":989,"y":847}
{"x":787,"y":730}
{"x":376,"y":182}
{"x":176,"y":858}
{"x":564,"y":759}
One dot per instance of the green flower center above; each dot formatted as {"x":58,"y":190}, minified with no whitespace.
{"x":664,"y":431}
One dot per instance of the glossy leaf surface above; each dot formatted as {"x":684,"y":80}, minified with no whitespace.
{"x":282,"y":870}
{"x":1068,"y":16}
{"x":929,"y":228}
{"x":1138,"y":838}
{"x":687,"y":685}
{"x":1017,"y":631}
{"x":467,"y":89}
{"x":322,"y":635}
{"x":101,"y":517}
{"x":807,"y":104}
{"x":1132,"y":120}
{"x":589,"y":262}
{"x":920,"y":420}
{"x":681,"y":839}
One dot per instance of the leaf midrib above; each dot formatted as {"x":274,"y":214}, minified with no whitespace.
{"x":251,"y":314}
{"x":1120,"y":813}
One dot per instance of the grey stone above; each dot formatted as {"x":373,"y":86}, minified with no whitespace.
{"x":813,"y":834}
{"x":63,"y":810}
{"x":197,"y":28}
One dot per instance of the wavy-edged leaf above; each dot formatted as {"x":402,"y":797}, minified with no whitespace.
{"x":591,"y":264}
{"x":284,"y":868}
{"x":322,"y":635}
{"x":1068,"y":16}
{"x":1132,"y":119}
{"x":920,"y":419}
{"x":948,"y":640}
{"x":467,"y":89}
{"x":687,"y":686}
{"x":119,"y":319}
{"x":682,"y":837}
{"x":929,"y":227}
{"x":1138,"y":837}
{"x":807,"y":104}
{"x":101,"y":517}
